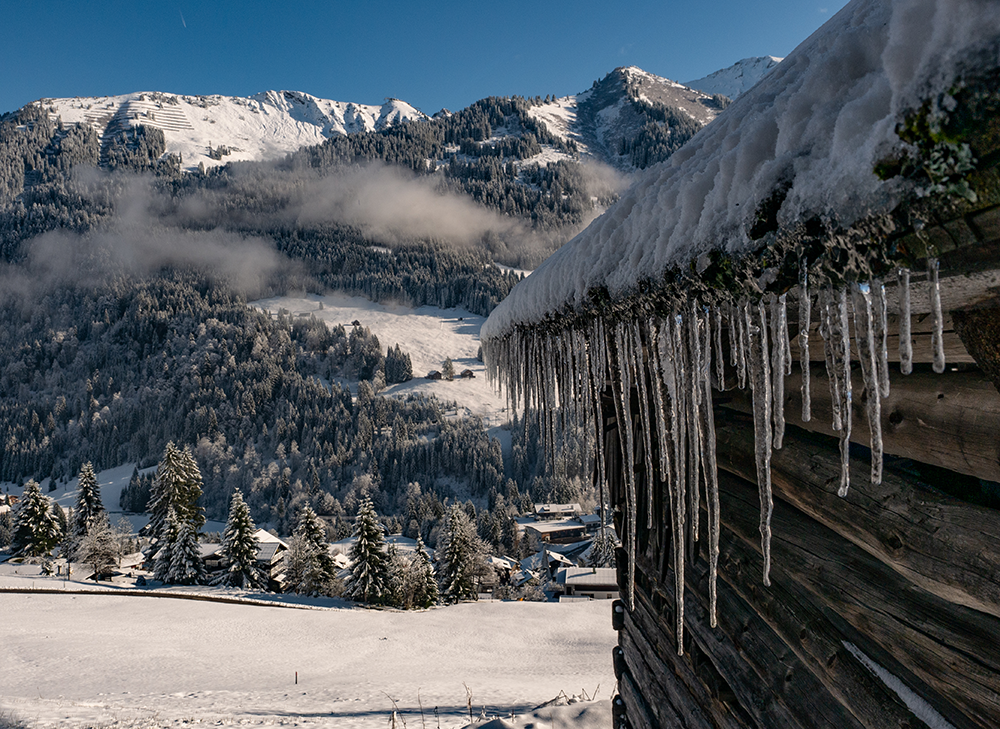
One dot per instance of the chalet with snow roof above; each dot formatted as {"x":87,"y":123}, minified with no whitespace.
{"x":594,"y":583}
{"x":785,"y":341}
{"x":270,"y":558}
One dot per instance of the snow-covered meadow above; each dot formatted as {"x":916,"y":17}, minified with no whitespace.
{"x":89,"y":660}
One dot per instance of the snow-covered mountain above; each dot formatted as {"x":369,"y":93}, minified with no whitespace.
{"x":736,"y":79}
{"x":617,"y":108}
{"x":259,"y":127}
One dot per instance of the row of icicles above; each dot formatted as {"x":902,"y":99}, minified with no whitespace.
{"x":667,"y":364}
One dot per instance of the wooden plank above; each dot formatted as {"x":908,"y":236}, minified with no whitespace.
{"x":668,"y":699}
{"x":949,"y":420}
{"x":921,"y":328}
{"x":637,"y":713}
{"x":746,"y":651}
{"x":951,"y":648}
{"x":947,"y":547}
{"x":791,"y":612}
{"x":643,"y":621}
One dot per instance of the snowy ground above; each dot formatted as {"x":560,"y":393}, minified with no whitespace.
{"x":428,"y":334}
{"x":85,"y":660}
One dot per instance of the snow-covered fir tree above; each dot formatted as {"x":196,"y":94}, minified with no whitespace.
{"x":309,"y":568}
{"x":239,"y":548}
{"x":87,"y":511}
{"x":190,"y":491}
{"x":602,"y":551}
{"x":177,"y":486}
{"x":167,"y":539}
{"x":100,"y":547}
{"x":186,"y":566}
{"x":425,"y":592}
{"x":369,"y":562}
{"x":460,"y":557}
{"x":36,"y":525}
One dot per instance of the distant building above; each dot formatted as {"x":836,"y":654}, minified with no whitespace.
{"x":596,"y":583}
{"x":466,"y":374}
{"x":556,"y":511}
{"x":433,"y":375}
{"x":270,"y":558}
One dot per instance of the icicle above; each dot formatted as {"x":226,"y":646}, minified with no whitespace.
{"x":741,"y":345}
{"x":779,"y":346}
{"x":826,"y":303}
{"x":598,"y":370}
{"x":937,"y":337}
{"x":864,"y":336}
{"x":881,"y":336}
{"x":760,"y":384}
{"x":692,"y":394}
{"x":667,"y":351}
{"x":720,"y":365}
{"x":644,"y":418}
{"x":905,"y":340}
{"x":840,"y":332}
{"x":623,"y":400}
{"x":805,"y":311}
{"x":711,"y":471}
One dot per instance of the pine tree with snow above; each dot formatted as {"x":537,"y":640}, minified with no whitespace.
{"x":186,"y":565}
{"x":309,"y":568}
{"x":36,"y":526}
{"x":87,"y":511}
{"x":239,"y":548}
{"x":190,"y":491}
{"x":164,"y":496}
{"x":602,"y":551}
{"x":425,"y":592}
{"x":460,"y":557}
{"x":369,"y":563}
{"x":167,"y":539}
{"x":100,"y":546}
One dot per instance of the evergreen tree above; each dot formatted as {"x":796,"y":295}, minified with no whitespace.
{"x":168,"y":538}
{"x":448,"y":369}
{"x":460,"y":557}
{"x":425,"y":591}
{"x":186,"y":566}
{"x":602,"y":551}
{"x":100,"y":546}
{"x":164,"y":496}
{"x":369,"y":568}
{"x":87,"y":511}
{"x":239,"y":548}
{"x":189,"y":491}
{"x":36,"y":526}
{"x":310,"y":570}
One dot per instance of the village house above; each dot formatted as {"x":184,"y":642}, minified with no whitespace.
{"x":270,"y":558}
{"x":594,"y":583}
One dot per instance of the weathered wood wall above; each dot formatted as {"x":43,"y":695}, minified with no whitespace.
{"x":898,"y":581}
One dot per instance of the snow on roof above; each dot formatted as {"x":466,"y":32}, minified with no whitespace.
{"x":265,"y":537}
{"x":816,"y":126}
{"x":588,"y":576}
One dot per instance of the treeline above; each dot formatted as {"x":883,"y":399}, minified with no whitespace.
{"x":112,"y":377}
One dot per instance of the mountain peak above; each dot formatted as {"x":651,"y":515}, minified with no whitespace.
{"x":736,"y":79}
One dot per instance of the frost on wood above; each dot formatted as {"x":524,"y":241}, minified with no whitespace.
{"x":656,"y":375}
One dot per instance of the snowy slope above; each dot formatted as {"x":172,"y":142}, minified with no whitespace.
{"x":736,"y":79}
{"x":259,"y":127}
{"x":83,"y":660}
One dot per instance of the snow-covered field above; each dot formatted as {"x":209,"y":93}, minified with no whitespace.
{"x":86,"y":660}
{"x":428,"y":334}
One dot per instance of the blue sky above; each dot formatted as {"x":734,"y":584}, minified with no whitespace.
{"x":433,"y":55}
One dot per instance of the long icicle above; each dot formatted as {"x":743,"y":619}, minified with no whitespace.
{"x":711,"y":471}
{"x":625,"y":398}
{"x":842,"y":337}
{"x":905,"y":339}
{"x":760,"y":383}
{"x":779,"y":351}
{"x":826,"y":331}
{"x":937,"y":337}
{"x":805,"y":322}
{"x":692,"y":394}
{"x":864,"y":336}
{"x":720,"y":364}
{"x":645,"y":419}
{"x":678,"y":499}
{"x":881,"y":319}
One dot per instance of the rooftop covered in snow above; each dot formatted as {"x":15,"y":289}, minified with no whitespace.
{"x":842,"y":142}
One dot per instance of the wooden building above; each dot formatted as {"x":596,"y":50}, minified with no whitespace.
{"x":835,"y":564}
